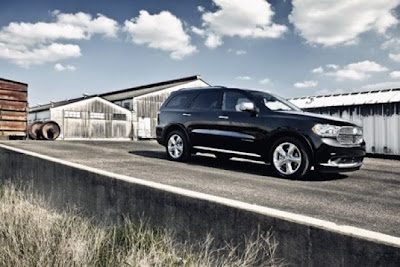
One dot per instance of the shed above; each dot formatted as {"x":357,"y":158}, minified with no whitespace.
{"x":86,"y":118}
{"x":13,"y":109}
{"x":378,"y":112}
{"x":145,"y":101}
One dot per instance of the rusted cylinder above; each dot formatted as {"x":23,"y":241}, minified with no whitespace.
{"x":34,"y":130}
{"x":50,"y":130}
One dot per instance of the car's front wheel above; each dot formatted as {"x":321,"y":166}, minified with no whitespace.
{"x":289,"y":158}
{"x":178,"y":146}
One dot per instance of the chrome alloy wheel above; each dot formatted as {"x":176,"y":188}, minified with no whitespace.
{"x":175,"y":146}
{"x":287,"y":158}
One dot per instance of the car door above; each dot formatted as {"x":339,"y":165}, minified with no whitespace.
{"x":203,"y":114}
{"x":240,"y":128}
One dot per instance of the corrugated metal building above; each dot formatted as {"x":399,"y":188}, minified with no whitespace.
{"x":13,"y":109}
{"x":377,"y":111}
{"x":128,"y":113}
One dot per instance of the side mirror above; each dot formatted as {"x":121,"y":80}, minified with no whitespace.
{"x":247,"y":106}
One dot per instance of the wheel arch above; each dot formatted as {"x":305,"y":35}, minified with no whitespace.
{"x":174,"y":127}
{"x":287,"y":133}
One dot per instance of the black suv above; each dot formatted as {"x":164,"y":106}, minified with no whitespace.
{"x":231,"y":122}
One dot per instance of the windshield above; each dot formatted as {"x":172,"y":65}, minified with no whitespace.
{"x":274,"y":102}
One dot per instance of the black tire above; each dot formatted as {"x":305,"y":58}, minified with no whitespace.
{"x":180,"y":151}
{"x":295,"y":163}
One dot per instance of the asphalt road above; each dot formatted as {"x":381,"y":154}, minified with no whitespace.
{"x":369,"y":198}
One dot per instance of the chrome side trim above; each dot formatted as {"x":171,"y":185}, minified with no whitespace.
{"x":224,"y":133}
{"x":226,"y":151}
{"x":341,"y":165}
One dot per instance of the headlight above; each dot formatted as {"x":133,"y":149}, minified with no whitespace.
{"x":326,"y":130}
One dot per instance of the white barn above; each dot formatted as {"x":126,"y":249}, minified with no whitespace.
{"x":124,"y":114}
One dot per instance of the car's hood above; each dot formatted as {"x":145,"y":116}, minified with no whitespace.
{"x":317,"y":117}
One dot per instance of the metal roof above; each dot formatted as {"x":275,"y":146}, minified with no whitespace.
{"x":11,"y":81}
{"x":348,"y":99}
{"x":58,"y":104}
{"x":122,"y":94}
{"x":148,"y":88}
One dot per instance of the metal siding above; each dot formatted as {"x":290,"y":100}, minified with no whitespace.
{"x":380,"y":122}
{"x":13,"y":109}
{"x":147,"y":108}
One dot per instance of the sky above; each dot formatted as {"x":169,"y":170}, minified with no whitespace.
{"x":64,"y":49}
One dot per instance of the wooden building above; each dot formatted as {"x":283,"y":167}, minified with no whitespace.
{"x":13,"y":109}
{"x":86,"y":118}
{"x":122,"y":114}
{"x":145,"y":101}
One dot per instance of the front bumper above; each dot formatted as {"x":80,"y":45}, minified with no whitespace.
{"x":333,"y":157}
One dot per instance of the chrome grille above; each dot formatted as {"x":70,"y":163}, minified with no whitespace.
{"x":350,"y":135}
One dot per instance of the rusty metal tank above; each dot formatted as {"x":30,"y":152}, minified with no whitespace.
{"x":47,"y":130}
{"x":13,"y":109}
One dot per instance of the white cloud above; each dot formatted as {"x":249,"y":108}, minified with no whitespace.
{"x":332,"y":66}
{"x":330,"y":91}
{"x":37,"y":56}
{"x":381,"y":86}
{"x":244,"y":78}
{"x":237,"y":52}
{"x":60,"y":67}
{"x":245,"y":19}
{"x":357,"y":71}
{"x":198,"y":31}
{"x":265,"y":81}
{"x":394,"y":57}
{"x":391,"y":43}
{"x":395,"y":74}
{"x":27,"y":44}
{"x":201,"y":9}
{"x":305,"y":84}
{"x":162,"y":31}
{"x":341,"y":21}
{"x":318,"y":70}
{"x":77,"y":26}
{"x":213,"y":41}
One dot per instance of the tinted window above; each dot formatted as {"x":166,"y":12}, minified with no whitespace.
{"x":179,"y":101}
{"x":231,"y":100}
{"x":274,"y":102}
{"x":206,"y":100}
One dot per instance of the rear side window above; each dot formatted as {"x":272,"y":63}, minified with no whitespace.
{"x":179,"y":101}
{"x":206,"y":100}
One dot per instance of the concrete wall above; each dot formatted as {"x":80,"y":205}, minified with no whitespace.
{"x":303,"y":241}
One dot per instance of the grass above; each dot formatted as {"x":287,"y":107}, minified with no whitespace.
{"x":32,"y":234}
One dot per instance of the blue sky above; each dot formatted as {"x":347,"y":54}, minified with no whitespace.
{"x":63,"y":49}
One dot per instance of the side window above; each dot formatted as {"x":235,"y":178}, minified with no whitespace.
{"x":179,"y":101}
{"x":232,"y":99}
{"x":206,"y":100}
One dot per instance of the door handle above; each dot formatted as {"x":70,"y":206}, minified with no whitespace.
{"x":187,"y":114}
{"x":223,"y":117}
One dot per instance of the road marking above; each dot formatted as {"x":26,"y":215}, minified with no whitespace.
{"x":284,"y":215}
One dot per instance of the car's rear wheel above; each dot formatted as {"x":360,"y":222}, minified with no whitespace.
{"x":177,"y":146}
{"x":289,"y":158}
